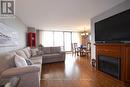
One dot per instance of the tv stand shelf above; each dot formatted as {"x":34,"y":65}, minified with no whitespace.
{"x":117,"y":50}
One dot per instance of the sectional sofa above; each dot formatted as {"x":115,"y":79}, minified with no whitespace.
{"x":28,"y":76}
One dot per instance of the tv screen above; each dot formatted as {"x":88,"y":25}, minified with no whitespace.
{"x":114,"y":29}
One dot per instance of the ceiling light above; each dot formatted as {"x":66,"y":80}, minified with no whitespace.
{"x":84,"y":33}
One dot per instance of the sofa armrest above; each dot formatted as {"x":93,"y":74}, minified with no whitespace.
{"x":62,"y":52}
{"x":19,"y":71}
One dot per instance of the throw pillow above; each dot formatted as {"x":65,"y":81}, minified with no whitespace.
{"x":34,"y":52}
{"x":29,"y":62}
{"x":26,"y":51}
{"x":20,"y":61}
{"x":21,"y":53}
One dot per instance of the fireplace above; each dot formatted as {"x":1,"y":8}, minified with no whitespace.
{"x":110,"y":65}
{"x":114,"y":59}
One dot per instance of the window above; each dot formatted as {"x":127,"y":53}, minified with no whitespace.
{"x":67,"y":41}
{"x":76,"y":38}
{"x":62,"y":39}
{"x":58,"y":38}
{"x":47,"y":38}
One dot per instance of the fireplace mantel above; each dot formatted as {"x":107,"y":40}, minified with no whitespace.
{"x":116,"y":50}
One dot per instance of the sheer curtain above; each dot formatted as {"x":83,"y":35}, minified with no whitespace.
{"x":67,"y":41}
{"x":58,"y":38}
{"x":76,"y":38}
{"x":47,"y":38}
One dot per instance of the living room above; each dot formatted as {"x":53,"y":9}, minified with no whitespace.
{"x":57,"y":26}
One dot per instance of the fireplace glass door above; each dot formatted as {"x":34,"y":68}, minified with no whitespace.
{"x":109,"y":65}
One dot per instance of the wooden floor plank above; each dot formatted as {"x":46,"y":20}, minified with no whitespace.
{"x":76,"y":72}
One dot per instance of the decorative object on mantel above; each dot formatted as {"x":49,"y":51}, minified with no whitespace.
{"x":8,"y":37}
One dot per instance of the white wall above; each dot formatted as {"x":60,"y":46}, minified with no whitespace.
{"x":117,"y":9}
{"x":20,"y":28}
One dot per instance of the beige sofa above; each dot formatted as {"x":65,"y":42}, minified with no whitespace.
{"x":53,"y":54}
{"x":28,"y":76}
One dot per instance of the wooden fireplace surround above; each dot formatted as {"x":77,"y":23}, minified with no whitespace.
{"x":116,"y":50}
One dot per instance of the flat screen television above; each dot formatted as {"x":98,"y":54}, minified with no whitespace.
{"x":114,"y":29}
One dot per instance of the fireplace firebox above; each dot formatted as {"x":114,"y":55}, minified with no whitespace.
{"x":110,"y":65}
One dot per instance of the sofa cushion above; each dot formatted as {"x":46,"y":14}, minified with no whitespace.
{"x":51,"y":55}
{"x":29,"y":49}
{"x":46,"y":50}
{"x":21,"y":53}
{"x":27,"y":52}
{"x":36,"y":57}
{"x":37,"y":61}
{"x":20,"y":61}
{"x":55,"y":49}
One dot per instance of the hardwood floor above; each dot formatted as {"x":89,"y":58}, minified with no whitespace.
{"x":76,"y":72}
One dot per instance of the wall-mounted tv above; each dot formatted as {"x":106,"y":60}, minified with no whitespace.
{"x":114,"y":29}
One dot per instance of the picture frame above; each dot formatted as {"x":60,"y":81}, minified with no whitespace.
{"x":8,"y":37}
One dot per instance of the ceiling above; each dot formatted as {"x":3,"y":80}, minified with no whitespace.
{"x":64,"y":15}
